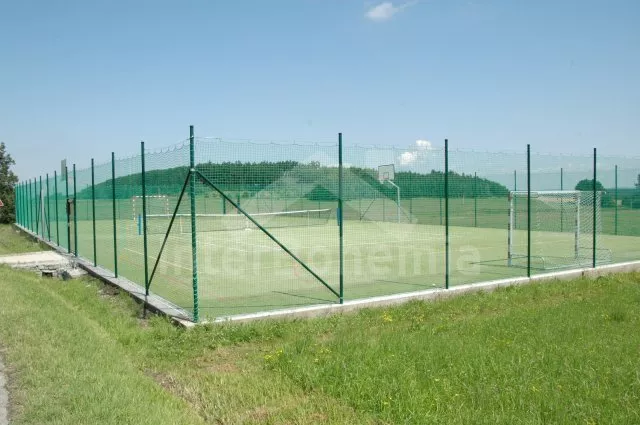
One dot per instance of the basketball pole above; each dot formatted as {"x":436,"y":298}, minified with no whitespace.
{"x":397,"y":196}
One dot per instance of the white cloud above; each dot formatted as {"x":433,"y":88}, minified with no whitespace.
{"x":423,"y":145}
{"x":382,"y":12}
{"x":385,"y":11}
{"x":409,"y":157}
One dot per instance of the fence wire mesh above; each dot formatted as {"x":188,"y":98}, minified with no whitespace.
{"x":262,"y":220}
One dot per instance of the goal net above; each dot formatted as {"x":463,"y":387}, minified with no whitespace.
{"x":159,"y":223}
{"x":156,"y":204}
{"x":562,"y":229}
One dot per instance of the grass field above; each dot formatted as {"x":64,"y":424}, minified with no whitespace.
{"x":12,"y":242}
{"x":243,"y":271}
{"x":561,"y":352}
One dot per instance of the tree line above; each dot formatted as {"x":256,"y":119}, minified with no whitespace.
{"x":312,"y":181}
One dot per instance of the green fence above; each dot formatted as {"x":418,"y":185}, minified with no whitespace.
{"x":220,"y":227}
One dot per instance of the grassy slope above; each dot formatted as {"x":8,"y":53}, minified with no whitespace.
{"x":12,"y":242}
{"x":554,"y":353}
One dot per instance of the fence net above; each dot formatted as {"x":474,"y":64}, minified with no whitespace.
{"x":256,"y":226}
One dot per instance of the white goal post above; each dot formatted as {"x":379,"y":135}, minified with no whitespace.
{"x":156,"y":204}
{"x":568,"y":212}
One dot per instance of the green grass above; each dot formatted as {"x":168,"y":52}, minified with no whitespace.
{"x":13,"y":241}
{"x":563,"y":352}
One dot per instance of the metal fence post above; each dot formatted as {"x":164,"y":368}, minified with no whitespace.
{"x":595,"y":201}
{"x":144,"y":221}
{"x":446,"y":213}
{"x":66,"y":184}
{"x":31,"y":195}
{"x":55,"y":189}
{"x":194,"y":239}
{"x":93,"y":208}
{"x":515,"y":199}
{"x":41,"y":208}
{"x":616,"y":203}
{"x":475,"y":199}
{"x":16,"y":204}
{"x":75,"y":214}
{"x":340,"y":216}
{"x":113,"y":203}
{"x":48,"y":211}
{"x":561,"y":200}
{"x":528,"y":210}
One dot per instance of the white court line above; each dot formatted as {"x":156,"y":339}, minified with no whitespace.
{"x":248,"y":244}
{"x":162,"y":261}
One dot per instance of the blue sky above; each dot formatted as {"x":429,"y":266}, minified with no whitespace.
{"x":79,"y":79}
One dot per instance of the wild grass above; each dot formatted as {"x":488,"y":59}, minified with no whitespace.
{"x":13,"y":241}
{"x":561,"y":352}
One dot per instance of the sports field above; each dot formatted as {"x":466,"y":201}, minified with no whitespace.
{"x":241,"y":269}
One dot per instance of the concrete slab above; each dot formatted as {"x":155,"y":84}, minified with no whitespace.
{"x":35,"y":259}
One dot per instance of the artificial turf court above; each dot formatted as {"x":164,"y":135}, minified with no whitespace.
{"x":243,"y":270}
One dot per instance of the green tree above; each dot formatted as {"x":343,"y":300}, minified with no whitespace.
{"x":587,"y":185}
{"x":7,"y":182}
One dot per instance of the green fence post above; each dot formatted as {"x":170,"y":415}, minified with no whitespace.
{"x":528,"y":210}
{"x":194,"y":239}
{"x":39,"y":207}
{"x":16,"y":204}
{"x":340,"y":216}
{"x":144,"y":222}
{"x":48,"y":211}
{"x":595,"y":201}
{"x":475,"y":199}
{"x":75,"y":214}
{"x":43,"y":219}
{"x":446,"y":213}
{"x":23,"y":210}
{"x":93,"y":207}
{"x":561,"y":200}
{"x":21,"y":204}
{"x":113,"y":204}
{"x":34,"y":203}
{"x":515,"y":199}
{"x":25,"y":214}
{"x":616,"y":203}
{"x":55,"y":189}
{"x":66,"y":185}
{"x":31,"y":193}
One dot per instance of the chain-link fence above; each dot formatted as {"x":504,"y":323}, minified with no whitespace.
{"x":221,"y":227}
